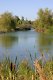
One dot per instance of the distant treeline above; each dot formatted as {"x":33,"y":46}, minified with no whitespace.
{"x":8,"y":22}
{"x":43,"y":23}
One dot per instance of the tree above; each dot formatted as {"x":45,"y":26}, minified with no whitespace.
{"x":7,"y":22}
{"x":22,"y":18}
{"x":44,"y":20}
{"x":17,"y":18}
{"x":45,"y":17}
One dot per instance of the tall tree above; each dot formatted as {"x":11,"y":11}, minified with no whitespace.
{"x":7,"y":22}
{"x":44,"y":20}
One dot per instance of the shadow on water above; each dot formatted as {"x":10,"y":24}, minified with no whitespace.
{"x":45,"y":42}
{"x":8,"y":41}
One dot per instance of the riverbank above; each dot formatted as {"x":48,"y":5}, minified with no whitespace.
{"x":45,"y":31}
{"x":17,"y":29}
{"x":22,"y":70}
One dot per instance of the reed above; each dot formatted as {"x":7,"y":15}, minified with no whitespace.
{"x":23,"y":71}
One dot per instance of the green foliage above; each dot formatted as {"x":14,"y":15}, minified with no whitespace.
{"x":48,"y":70}
{"x":10,"y":71}
{"x":24,"y":70}
{"x":23,"y":24}
{"x":44,"y":21}
{"x":7,"y":22}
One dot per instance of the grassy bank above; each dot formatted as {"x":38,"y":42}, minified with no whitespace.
{"x":23,"y":71}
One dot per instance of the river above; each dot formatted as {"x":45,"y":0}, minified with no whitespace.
{"x":25,"y":45}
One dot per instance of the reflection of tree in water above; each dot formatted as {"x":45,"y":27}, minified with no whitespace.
{"x":45,"y":43}
{"x":45,"y":40}
{"x":8,"y":41}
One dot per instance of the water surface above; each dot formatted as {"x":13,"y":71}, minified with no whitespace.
{"x":25,"y":44}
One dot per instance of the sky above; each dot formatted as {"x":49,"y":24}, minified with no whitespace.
{"x":26,"y":8}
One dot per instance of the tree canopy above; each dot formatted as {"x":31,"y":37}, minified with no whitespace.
{"x":44,"y":20}
{"x":7,"y":22}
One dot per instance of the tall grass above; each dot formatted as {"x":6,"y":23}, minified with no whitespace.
{"x":12,"y":71}
{"x":23,"y":71}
